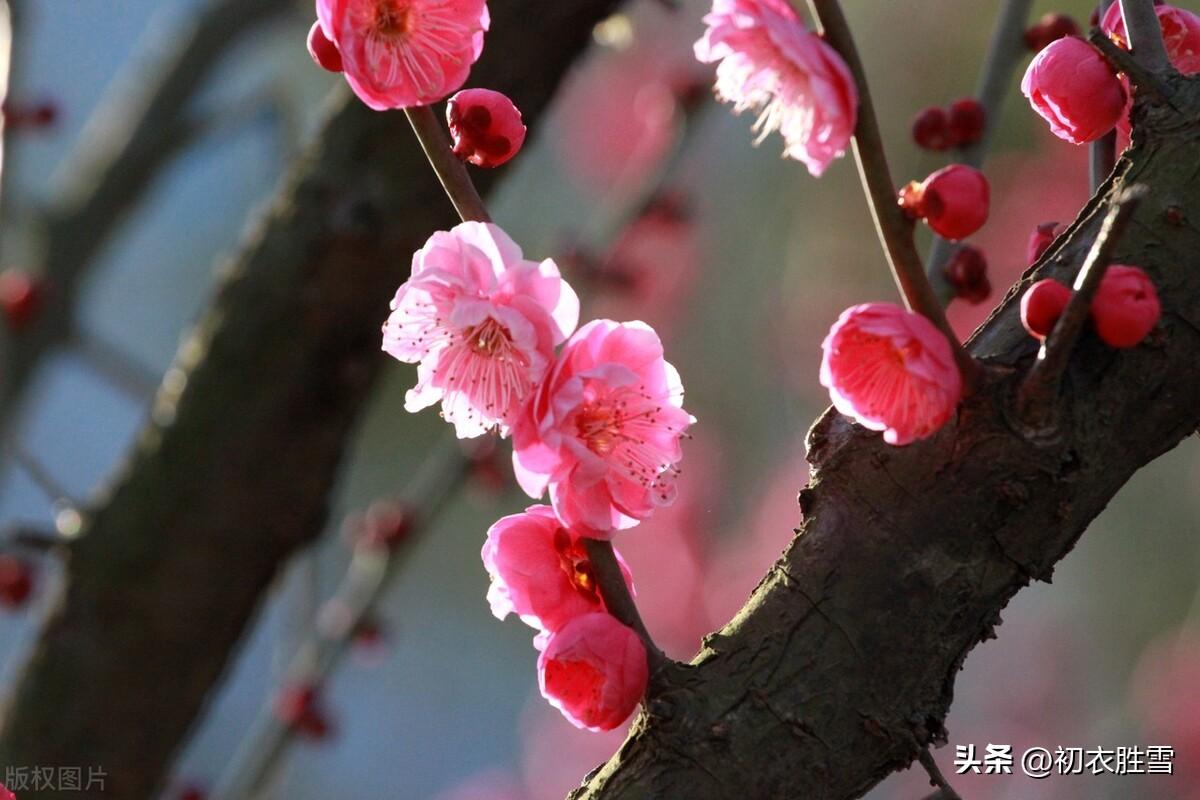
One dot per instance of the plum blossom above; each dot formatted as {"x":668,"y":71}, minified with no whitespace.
{"x":602,"y":431}
{"x":1125,"y":307}
{"x":404,"y":53}
{"x":482,"y":323}
{"x":891,"y":370}
{"x":954,"y":201}
{"x":540,"y":570}
{"x":797,"y":83}
{"x":594,"y":671}
{"x":1074,"y":89}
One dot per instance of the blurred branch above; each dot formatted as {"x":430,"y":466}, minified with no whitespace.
{"x":1005,"y":50}
{"x":6,"y":65}
{"x":945,"y":790}
{"x":132,"y":136}
{"x":894,"y":228}
{"x":1102,"y":153}
{"x":234,"y":473}
{"x":372,"y":567}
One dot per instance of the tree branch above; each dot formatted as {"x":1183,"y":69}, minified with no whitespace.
{"x":451,"y":172}
{"x":894,"y":228}
{"x":235,"y":472}
{"x":840,"y":669}
{"x":1145,"y":35}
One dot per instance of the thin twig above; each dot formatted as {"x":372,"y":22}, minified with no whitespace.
{"x":6,"y":61}
{"x":894,"y":228}
{"x":1123,"y":61}
{"x":617,"y":599}
{"x":1102,"y":153}
{"x":450,"y":170}
{"x":945,"y":790}
{"x":1144,"y":33}
{"x":1005,"y":51}
{"x":1040,"y":390}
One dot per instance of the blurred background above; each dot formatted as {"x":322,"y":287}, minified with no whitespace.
{"x":658,"y":207}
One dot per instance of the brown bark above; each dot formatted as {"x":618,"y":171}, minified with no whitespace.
{"x":234,"y":473}
{"x":842,"y":665}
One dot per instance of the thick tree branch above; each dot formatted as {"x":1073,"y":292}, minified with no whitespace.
{"x":248,"y":434}
{"x":121,"y":151}
{"x":841,"y":667}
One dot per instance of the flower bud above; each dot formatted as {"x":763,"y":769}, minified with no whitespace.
{"x":1042,"y":305}
{"x":1125,"y":307}
{"x":486,"y":127}
{"x":953,"y":201}
{"x":323,"y":51}
{"x":966,"y":271}
{"x":967,"y":120}
{"x":16,"y":582}
{"x":1041,"y":238}
{"x":1073,"y":88}
{"x":296,"y":706}
{"x":594,"y":671}
{"x":930,"y":129}
{"x":1050,"y":28}
{"x":21,"y":297}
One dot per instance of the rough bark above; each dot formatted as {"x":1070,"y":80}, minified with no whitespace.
{"x":249,"y":428}
{"x":842,"y":665}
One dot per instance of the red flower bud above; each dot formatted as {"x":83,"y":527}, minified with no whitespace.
{"x":966,"y":271}
{"x":968,"y":118}
{"x":1042,"y":305}
{"x":16,"y":582}
{"x":486,"y":127}
{"x":931,"y":129}
{"x":386,"y":524}
{"x":1041,"y":238}
{"x":297,"y":707}
{"x":953,"y":201}
{"x":1075,"y":90}
{"x":1049,"y":28}
{"x":323,"y":51}
{"x":21,"y":298}
{"x":1125,"y":307}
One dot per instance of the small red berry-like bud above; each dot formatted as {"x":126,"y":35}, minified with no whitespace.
{"x":21,"y":298}
{"x":1075,"y":90}
{"x":931,"y":129}
{"x":386,"y":524}
{"x":297,"y":707}
{"x":966,"y":271}
{"x":967,"y":120}
{"x":953,"y":201}
{"x":323,"y":51}
{"x":1042,"y":305}
{"x":1125,"y":307}
{"x":486,"y":127}
{"x":1052,"y":27}
{"x":16,"y":582}
{"x":1041,"y":238}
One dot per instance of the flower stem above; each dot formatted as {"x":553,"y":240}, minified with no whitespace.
{"x":616,"y":596}
{"x":894,"y":228}
{"x":1145,"y":34}
{"x":1005,"y":50}
{"x":450,"y":170}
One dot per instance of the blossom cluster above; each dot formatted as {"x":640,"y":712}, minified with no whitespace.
{"x":597,"y":425}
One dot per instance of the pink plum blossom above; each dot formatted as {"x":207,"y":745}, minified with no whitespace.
{"x":1180,"y":30}
{"x":798,"y":84}
{"x":481,"y":322}
{"x":486,"y":127}
{"x":602,"y":431}
{"x":540,"y":570}
{"x":1075,"y":90}
{"x":891,"y":370}
{"x":404,"y":53}
{"x":1125,"y":307}
{"x":594,"y":671}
